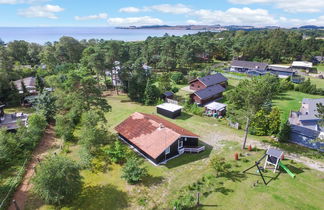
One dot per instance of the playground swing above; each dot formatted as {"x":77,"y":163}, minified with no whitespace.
{"x":273,"y":157}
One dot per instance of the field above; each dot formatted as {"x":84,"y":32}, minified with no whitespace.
{"x":291,"y":101}
{"x":233,"y":190}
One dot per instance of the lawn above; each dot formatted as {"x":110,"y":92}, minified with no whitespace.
{"x":317,"y":81}
{"x":320,"y":67}
{"x":291,"y":101}
{"x":106,"y":190}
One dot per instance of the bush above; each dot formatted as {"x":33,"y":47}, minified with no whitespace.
{"x":286,"y":84}
{"x":219,"y":165}
{"x":284,"y":132}
{"x":117,"y":152}
{"x":57,"y":180}
{"x":175,"y":89}
{"x":132,"y":172}
{"x":184,"y":201}
{"x":177,"y":77}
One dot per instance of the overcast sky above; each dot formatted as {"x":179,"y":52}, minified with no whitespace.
{"x":287,"y":13}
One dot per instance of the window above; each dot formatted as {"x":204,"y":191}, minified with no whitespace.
{"x":180,"y":144}
{"x":198,"y":86}
{"x":185,"y":138}
{"x":167,"y":151}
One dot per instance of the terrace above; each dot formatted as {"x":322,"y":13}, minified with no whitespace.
{"x":11,"y":121}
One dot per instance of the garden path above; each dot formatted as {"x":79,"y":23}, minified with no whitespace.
{"x":48,"y":142}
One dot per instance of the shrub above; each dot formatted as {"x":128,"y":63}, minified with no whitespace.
{"x":57,"y":180}
{"x":177,"y":77}
{"x":284,"y":132}
{"x":185,"y":201}
{"x":117,"y":152}
{"x":132,"y":172}
{"x":219,"y":165}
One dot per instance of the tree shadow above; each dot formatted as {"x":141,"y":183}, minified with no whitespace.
{"x":152,"y":180}
{"x":283,"y":96}
{"x":223,"y":190}
{"x":190,"y":157}
{"x":270,"y":178}
{"x":234,"y":176}
{"x":101,"y":197}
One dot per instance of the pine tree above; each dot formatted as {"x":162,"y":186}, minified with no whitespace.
{"x":39,"y":84}
{"x":151,"y":93}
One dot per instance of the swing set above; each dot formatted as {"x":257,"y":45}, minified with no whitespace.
{"x":273,"y":157}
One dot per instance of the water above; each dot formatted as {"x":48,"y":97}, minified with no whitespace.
{"x":44,"y":34}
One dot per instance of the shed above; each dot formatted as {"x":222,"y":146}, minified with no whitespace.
{"x":215,"y":109}
{"x":169,"y":110}
{"x":167,"y":94}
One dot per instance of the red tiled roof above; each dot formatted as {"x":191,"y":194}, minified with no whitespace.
{"x":151,"y":133}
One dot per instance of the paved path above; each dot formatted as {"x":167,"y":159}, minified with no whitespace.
{"x":47,"y":142}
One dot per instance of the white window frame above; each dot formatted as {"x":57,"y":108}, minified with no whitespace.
{"x":180,"y":143}
{"x":167,"y":151}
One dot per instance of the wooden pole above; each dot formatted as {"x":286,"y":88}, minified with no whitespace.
{"x":198,"y":195}
{"x":246,"y":132}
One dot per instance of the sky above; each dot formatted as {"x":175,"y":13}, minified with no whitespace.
{"x":284,"y":13}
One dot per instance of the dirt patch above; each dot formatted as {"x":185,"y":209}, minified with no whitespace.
{"x":48,"y":141}
{"x":215,"y":139}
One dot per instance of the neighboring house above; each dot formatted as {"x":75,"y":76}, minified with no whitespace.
{"x":207,"y":81}
{"x":155,"y":138}
{"x":208,"y":94}
{"x":305,"y":126}
{"x":30,"y":84}
{"x":208,"y":88}
{"x":146,"y":67}
{"x":281,"y":70}
{"x":249,"y":67}
{"x":318,"y":59}
{"x":11,"y":121}
{"x":114,"y":75}
{"x":302,"y":65}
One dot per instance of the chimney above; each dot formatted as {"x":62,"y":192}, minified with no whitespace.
{"x":161,"y":126}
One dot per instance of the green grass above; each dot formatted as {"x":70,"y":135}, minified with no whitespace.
{"x":320,"y":68}
{"x":27,"y":110}
{"x":291,"y":101}
{"x":316,"y":81}
{"x":106,"y":190}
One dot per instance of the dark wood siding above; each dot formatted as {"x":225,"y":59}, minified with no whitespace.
{"x":190,"y":142}
{"x":173,"y":152}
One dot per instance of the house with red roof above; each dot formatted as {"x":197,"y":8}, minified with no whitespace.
{"x":155,"y":138}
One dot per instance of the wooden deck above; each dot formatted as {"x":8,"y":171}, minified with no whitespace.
{"x":194,"y":149}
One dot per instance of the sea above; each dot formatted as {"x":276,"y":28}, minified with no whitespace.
{"x":42,"y":35}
